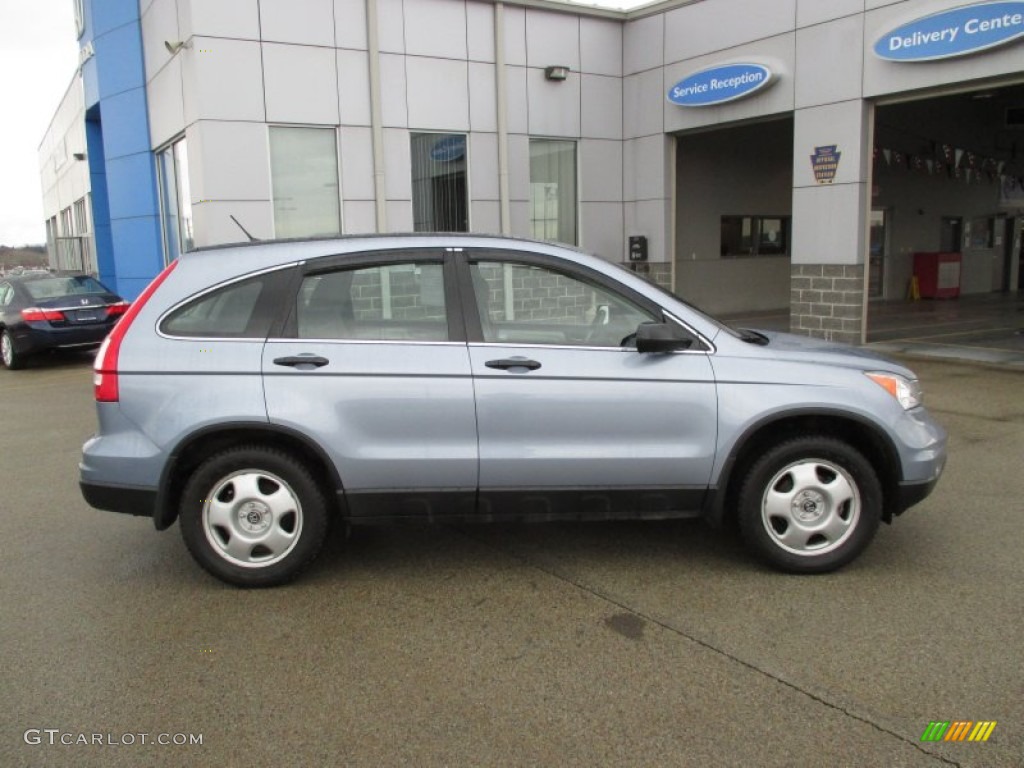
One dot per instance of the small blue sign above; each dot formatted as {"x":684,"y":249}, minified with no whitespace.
{"x":448,"y":149}
{"x":718,"y":85}
{"x":956,"y":32}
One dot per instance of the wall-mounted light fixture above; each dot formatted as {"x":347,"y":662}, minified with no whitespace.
{"x":177,"y":45}
{"x":78,"y":155}
{"x":556,"y":72}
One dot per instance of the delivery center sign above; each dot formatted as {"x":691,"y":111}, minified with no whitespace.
{"x":956,"y":32}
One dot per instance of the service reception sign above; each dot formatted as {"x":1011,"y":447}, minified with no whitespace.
{"x":956,"y":32}
{"x":719,"y":85}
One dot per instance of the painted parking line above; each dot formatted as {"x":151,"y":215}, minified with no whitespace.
{"x":921,"y":339}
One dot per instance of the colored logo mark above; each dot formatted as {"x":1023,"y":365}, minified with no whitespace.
{"x":958,"y":730}
{"x":825,"y":162}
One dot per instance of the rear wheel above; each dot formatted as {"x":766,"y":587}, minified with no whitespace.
{"x":10,"y":357}
{"x":253,"y":517}
{"x":810,"y":505}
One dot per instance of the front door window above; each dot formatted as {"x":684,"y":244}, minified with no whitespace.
{"x":529,"y":304}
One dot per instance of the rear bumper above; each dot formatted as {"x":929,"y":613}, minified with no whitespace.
{"x":27,"y":340}
{"x":140,"y":502}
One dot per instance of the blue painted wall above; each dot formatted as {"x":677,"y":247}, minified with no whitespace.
{"x":126,"y":213}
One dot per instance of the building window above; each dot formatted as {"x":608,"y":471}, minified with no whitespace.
{"x":80,"y":17}
{"x":67,"y":223}
{"x":980,"y":232}
{"x":304,"y":181}
{"x":51,"y":238}
{"x":175,"y":200}
{"x":439,"y":192}
{"x":81,"y":217}
{"x":553,"y":190}
{"x":755,"y":236}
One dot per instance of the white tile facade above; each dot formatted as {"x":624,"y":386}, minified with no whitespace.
{"x":306,"y":62}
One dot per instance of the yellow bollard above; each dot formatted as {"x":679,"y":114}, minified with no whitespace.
{"x":913,"y":289}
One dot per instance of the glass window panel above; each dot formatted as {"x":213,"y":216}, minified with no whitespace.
{"x":396,"y":302}
{"x":304,"y":179}
{"x":439,"y":192}
{"x":553,"y":190}
{"x":185,"y":236}
{"x":525,"y":304}
{"x":772,"y":237}
{"x":168,"y":204}
{"x":754,"y":236}
{"x":229,"y":312}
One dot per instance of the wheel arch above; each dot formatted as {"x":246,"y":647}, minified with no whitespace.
{"x":866,"y":437}
{"x":196,"y":447}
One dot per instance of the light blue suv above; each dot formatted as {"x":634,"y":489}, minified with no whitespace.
{"x":260,"y":392}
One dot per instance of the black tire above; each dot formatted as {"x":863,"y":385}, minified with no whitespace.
{"x":810,"y":505}
{"x":253,"y":516}
{"x":9,"y":356}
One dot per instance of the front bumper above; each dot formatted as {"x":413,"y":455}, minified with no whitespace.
{"x":910,"y":494}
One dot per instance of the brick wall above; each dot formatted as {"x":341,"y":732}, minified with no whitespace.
{"x":827,"y":301}
{"x":657,"y":272}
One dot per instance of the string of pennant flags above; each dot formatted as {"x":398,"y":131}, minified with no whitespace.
{"x":953,"y":162}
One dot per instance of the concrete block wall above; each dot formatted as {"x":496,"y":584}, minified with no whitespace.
{"x":828,"y":301}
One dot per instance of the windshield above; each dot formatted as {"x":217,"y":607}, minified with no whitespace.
{"x":55,"y":287}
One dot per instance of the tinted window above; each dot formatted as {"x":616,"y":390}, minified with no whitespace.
{"x":398,"y":302}
{"x":55,"y":287}
{"x":525,"y":304}
{"x":229,"y":312}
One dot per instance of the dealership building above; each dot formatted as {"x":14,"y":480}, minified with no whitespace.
{"x":815,"y":155}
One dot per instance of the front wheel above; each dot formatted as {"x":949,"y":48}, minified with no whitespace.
{"x":253,"y":517}
{"x":810,"y":505}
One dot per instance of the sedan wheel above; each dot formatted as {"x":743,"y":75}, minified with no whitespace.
{"x":253,"y":517}
{"x":11,"y":359}
{"x":810,"y":505}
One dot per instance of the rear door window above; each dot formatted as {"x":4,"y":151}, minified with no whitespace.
{"x":383,"y":302}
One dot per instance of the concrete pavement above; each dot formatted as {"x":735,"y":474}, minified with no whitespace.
{"x":590,"y":644}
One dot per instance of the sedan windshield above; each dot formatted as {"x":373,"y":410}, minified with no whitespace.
{"x":55,"y":287}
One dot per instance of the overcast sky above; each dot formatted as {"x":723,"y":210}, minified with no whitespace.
{"x":38,"y":57}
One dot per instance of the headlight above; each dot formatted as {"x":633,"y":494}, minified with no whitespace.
{"x":906,"y":391}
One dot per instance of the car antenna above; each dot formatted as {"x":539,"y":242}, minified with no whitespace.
{"x":246,"y":231}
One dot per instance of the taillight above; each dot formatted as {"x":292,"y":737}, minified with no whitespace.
{"x":35,"y":314}
{"x":105,"y":368}
{"x":115,"y":310}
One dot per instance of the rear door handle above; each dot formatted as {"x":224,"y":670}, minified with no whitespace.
{"x":298,"y":361}
{"x":513,"y":362}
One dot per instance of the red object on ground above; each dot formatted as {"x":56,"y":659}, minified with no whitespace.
{"x":938,"y":274}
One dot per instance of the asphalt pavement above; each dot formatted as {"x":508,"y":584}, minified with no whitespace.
{"x":624,"y":644}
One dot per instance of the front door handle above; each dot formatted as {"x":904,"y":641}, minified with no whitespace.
{"x":298,"y":361}
{"x":513,"y":362}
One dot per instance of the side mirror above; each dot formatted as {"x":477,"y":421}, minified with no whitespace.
{"x":660,"y":337}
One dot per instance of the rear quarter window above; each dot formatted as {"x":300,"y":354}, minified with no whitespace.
{"x":242,"y":310}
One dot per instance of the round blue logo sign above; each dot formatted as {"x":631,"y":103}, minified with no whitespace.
{"x":956,"y":32}
{"x":719,"y":85}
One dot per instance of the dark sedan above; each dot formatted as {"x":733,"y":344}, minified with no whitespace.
{"x":40,"y":312}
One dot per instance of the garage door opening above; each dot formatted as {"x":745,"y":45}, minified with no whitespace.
{"x":945,"y":169}
{"x":734,"y":197}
